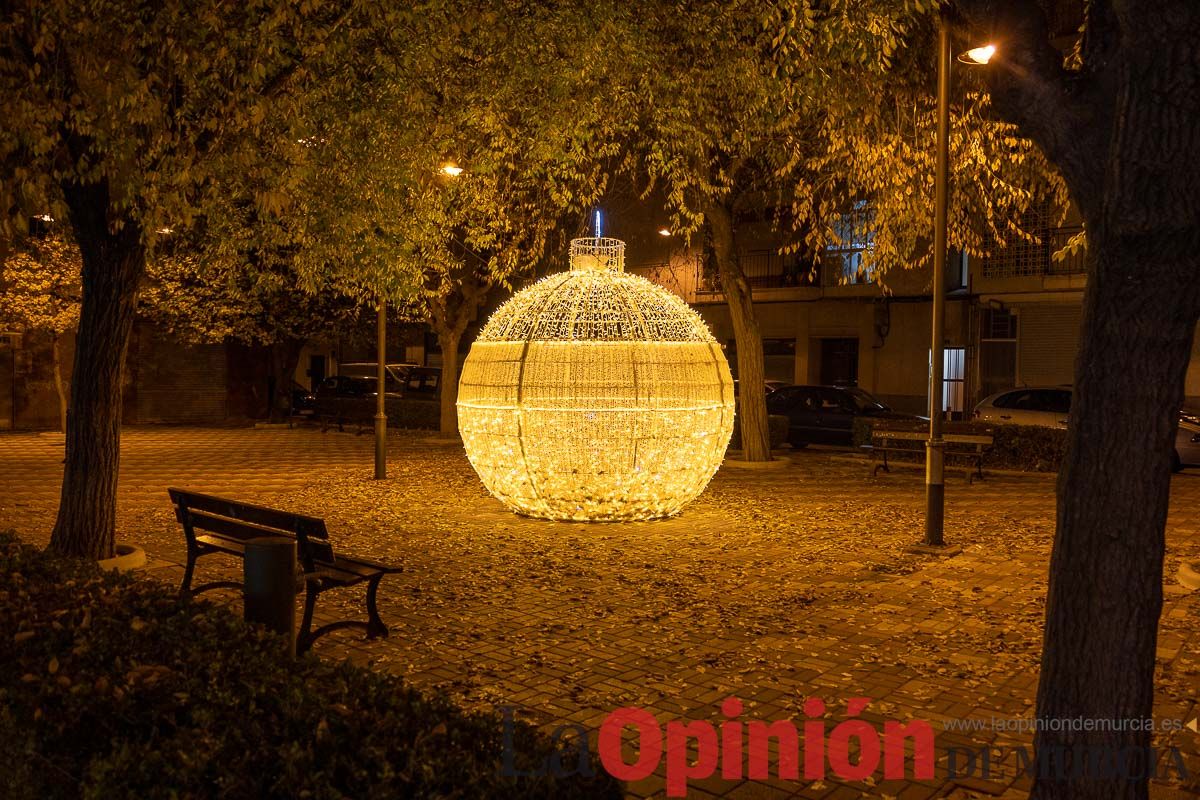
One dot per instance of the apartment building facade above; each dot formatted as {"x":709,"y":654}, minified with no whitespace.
{"x":1011,"y":320}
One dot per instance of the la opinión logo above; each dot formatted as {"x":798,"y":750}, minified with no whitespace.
{"x":852,"y":750}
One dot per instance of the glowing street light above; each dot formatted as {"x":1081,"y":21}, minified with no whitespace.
{"x":664,"y":231}
{"x":452,"y":169}
{"x":978,"y":55}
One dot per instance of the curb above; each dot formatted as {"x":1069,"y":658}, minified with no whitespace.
{"x":1012,"y":473}
{"x":1189,"y":575}
{"x":443,"y":441}
{"x":777,"y":462}
{"x":128,"y":557}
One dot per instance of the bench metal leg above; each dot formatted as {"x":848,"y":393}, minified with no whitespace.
{"x":185,"y":588}
{"x":305,"y":638}
{"x":375,"y":626}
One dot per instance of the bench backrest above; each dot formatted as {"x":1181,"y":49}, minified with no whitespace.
{"x":244,"y":521}
{"x":955,"y":428}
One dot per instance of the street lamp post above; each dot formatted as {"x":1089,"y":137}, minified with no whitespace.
{"x":452,"y":170}
{"x":935,"y":490}
{"x":381,"y":385}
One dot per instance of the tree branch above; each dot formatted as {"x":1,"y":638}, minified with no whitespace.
{"x":1067,"y":114}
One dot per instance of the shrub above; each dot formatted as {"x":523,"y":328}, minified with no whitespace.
{"x":1031,"y":448}
{"x":115,"y":688}
{"x":414,"y":414}
{"x":861,"y":431}
{"x":777,"y":431}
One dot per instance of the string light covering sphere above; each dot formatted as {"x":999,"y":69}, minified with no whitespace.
{"x":595,"y":395}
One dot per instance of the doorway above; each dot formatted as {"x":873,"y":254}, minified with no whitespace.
{"x":839,"y":362}
{"x":316,"y":372}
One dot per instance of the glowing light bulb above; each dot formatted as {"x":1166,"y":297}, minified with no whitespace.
{"x":978,"y":55}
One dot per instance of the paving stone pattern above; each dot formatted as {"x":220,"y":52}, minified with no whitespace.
{"x":773,"y":587}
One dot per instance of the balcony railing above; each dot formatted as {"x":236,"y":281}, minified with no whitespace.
{"x":842,"y":266}
{"x":767,"y":269}
{"x":1027,"y":259}
{"x":764,"y":269}
{"x":1072,"y":262}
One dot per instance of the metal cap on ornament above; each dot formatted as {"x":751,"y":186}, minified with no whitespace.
{"x":598,"y":253}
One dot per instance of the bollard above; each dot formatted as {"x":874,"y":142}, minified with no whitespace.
{"x":269,"y":588}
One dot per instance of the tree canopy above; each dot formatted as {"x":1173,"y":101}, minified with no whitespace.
{"x":39,"y":285}
{"x":798,"y":112}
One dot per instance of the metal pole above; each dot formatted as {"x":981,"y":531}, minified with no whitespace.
{"x":269,"y":581}
{"x":381,"y":386}
{"x":935,"y":494}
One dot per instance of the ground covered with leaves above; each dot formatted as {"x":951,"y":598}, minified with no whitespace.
{"x":773,"y":587}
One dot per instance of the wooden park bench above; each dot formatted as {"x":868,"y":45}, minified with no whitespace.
{"x":340,"y":421}
{"x":968,"y":447}
{"x":217,"y":525}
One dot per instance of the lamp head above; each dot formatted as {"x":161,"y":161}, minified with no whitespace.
{"x":978,"y":55}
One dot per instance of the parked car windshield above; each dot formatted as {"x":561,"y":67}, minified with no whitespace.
{"x":396,"y":373}
{"x":864,"y":401}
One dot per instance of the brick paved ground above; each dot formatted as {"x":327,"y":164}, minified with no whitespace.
{"x":773,"y":587}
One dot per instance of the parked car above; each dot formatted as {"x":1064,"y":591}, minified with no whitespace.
{"x":770,"y":385}
{"x":826,"y":414}
{"x":396,"y":372}
{"x":423,"y":382}
{"x":1187,"y":440}
{"x":1050,"y":406}
{"x":304,"y":402}
{"x":351,"y":396}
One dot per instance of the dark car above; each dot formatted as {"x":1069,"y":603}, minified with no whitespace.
{"x":826,"y":414}
{"x":304,"y":402}
{"x":352,"y":398}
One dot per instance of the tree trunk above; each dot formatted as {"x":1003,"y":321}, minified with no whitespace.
{"x":59,"y":388}
{"x":1140,"y":313}
{"x":752,"y":390}
{"x":1105,"y":591}
{"x":113,"y":263}
{"x":449,"y":339}
{"x":285,"y":355}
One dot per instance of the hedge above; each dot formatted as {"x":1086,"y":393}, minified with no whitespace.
{"x":777,"y":432}
{"x":1031,"y":448}
{"x":114,"y":688}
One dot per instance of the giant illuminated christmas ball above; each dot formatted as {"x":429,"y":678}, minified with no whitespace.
{"x":595,"y":395}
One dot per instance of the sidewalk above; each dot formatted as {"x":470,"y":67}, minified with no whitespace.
{"x":773,"y":587}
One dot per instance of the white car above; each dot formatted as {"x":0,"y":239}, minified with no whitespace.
{"x":1050,"y":406}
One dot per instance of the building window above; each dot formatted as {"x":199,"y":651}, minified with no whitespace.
{"x":853,"y":236}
